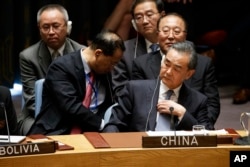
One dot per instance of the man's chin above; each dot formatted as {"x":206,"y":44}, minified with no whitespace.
{"x":53,"y":45}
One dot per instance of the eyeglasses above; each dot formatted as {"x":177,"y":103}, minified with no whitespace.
{"x":55,"y":27}
{"x":175,"y":31}
{"x":140,"y":17}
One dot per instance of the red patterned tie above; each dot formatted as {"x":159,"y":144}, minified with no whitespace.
{"x":87,"y":100}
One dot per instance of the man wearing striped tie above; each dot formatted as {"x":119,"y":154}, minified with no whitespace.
{"x":142,"y":101}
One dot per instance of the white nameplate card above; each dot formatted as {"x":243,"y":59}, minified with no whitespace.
{"x":178,"y":139}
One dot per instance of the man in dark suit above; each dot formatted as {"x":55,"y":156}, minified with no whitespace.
{"x":6,"y":105}
{"x":54,"y":26}
{"x":172,"y":29}
{"x":142,"y":102}
{"x":66,"y":85}
{"x":145,"y":15}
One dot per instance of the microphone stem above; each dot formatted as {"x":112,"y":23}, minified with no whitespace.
{"x":171,"y":109}
{"x":6,"y":120}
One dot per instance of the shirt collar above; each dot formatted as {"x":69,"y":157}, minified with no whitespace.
{"x":148,"y":44}
{"x":60,"y":50}
{"x":164,"y":89}
{"x":85,"y":64}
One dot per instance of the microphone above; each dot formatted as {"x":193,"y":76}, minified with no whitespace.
{"x":152,"y":101}
{"x":172,"y":127}
{"x":6,"y":119}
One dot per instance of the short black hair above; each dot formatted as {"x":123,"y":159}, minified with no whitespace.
{"x":108,"y":41}
{"x":159,"y":4}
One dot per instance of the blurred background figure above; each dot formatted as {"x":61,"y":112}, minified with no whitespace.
{"x":6,"y":105}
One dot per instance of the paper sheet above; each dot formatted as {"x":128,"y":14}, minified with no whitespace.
{"x":185,"y":133}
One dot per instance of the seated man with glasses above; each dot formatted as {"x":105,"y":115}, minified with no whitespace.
{"x":172,"y":28}
{"x":148,"y":15}
{"x":54,"y":27}
{"x":145,"y":14}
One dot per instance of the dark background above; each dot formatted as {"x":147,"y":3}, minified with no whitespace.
{"x":19,"y":29}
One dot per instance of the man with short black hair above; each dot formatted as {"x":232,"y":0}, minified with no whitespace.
{"x":77,"y":89}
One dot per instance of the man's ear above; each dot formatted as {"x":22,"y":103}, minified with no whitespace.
{"x":98,"y":52}
{"x":190,"y":74}
{"x":163,"y":13}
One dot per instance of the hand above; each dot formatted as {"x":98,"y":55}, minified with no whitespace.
{"x":164,"y":105}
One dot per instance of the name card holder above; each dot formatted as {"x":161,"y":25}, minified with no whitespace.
{"x":179,"y":141}
{"x":27,"y":148}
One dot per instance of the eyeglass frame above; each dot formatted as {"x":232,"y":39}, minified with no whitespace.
{"x":55,"y":27}
{"x":176,"y":31}
{"x":149,"y":16}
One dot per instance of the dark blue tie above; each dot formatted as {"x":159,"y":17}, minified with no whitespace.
{"x":154,"y":47}
{"x":163,"y":122}
{"x":169,"y":94}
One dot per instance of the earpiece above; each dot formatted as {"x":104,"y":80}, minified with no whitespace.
{"x":69,"y":27}
{"x":134,"y":24}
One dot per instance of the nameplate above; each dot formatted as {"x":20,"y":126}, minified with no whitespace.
{"x":179,"y":141}
{"x":27,"y":149}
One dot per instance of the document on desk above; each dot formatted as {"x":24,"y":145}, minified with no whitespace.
{"x":13,"y":139}
{"x":185,"y":133}
{"x":115,"y":140}
{"x":170,"y":133}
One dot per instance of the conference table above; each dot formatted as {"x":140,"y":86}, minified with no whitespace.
{"x":84,"y":154}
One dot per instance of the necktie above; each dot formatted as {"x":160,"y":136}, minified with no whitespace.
{"x":154,"y":47}
{"x":163,"y":122}
{"x":87,"y":99}
{"x":55,"y":55}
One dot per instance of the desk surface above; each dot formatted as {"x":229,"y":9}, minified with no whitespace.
{"x":84,"y":154}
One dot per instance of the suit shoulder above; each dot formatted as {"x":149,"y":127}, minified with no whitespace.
{"x":141,"y":83}
{"x":31,"y":48}
{"x":195,"y":93}
{"x":204,"y":58}
{"x":75,"y":44}
{"x":129,"y":41}
{"x":151,"y":55}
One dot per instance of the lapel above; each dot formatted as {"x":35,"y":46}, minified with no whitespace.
{"x":141,"y":47}
{"x":68,"y":47}
{"x":155,"y":63}
{"x":152,"y":94}
{"x":184,"y":98}
{"x":44,"y":57}
{"x":80,"y":73}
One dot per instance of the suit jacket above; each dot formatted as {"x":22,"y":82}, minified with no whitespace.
{"x":122,"y":72}
{"x":138,"y":100}
{"x":63,"y":92}
{"x":34,"y":63}
{"x":204,"y":79}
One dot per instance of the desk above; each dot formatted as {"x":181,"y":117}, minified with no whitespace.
{"x":85,"y":154}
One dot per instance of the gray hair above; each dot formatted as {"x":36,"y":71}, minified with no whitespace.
{"x":52,"y":7}
{"x":186,"y":47}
